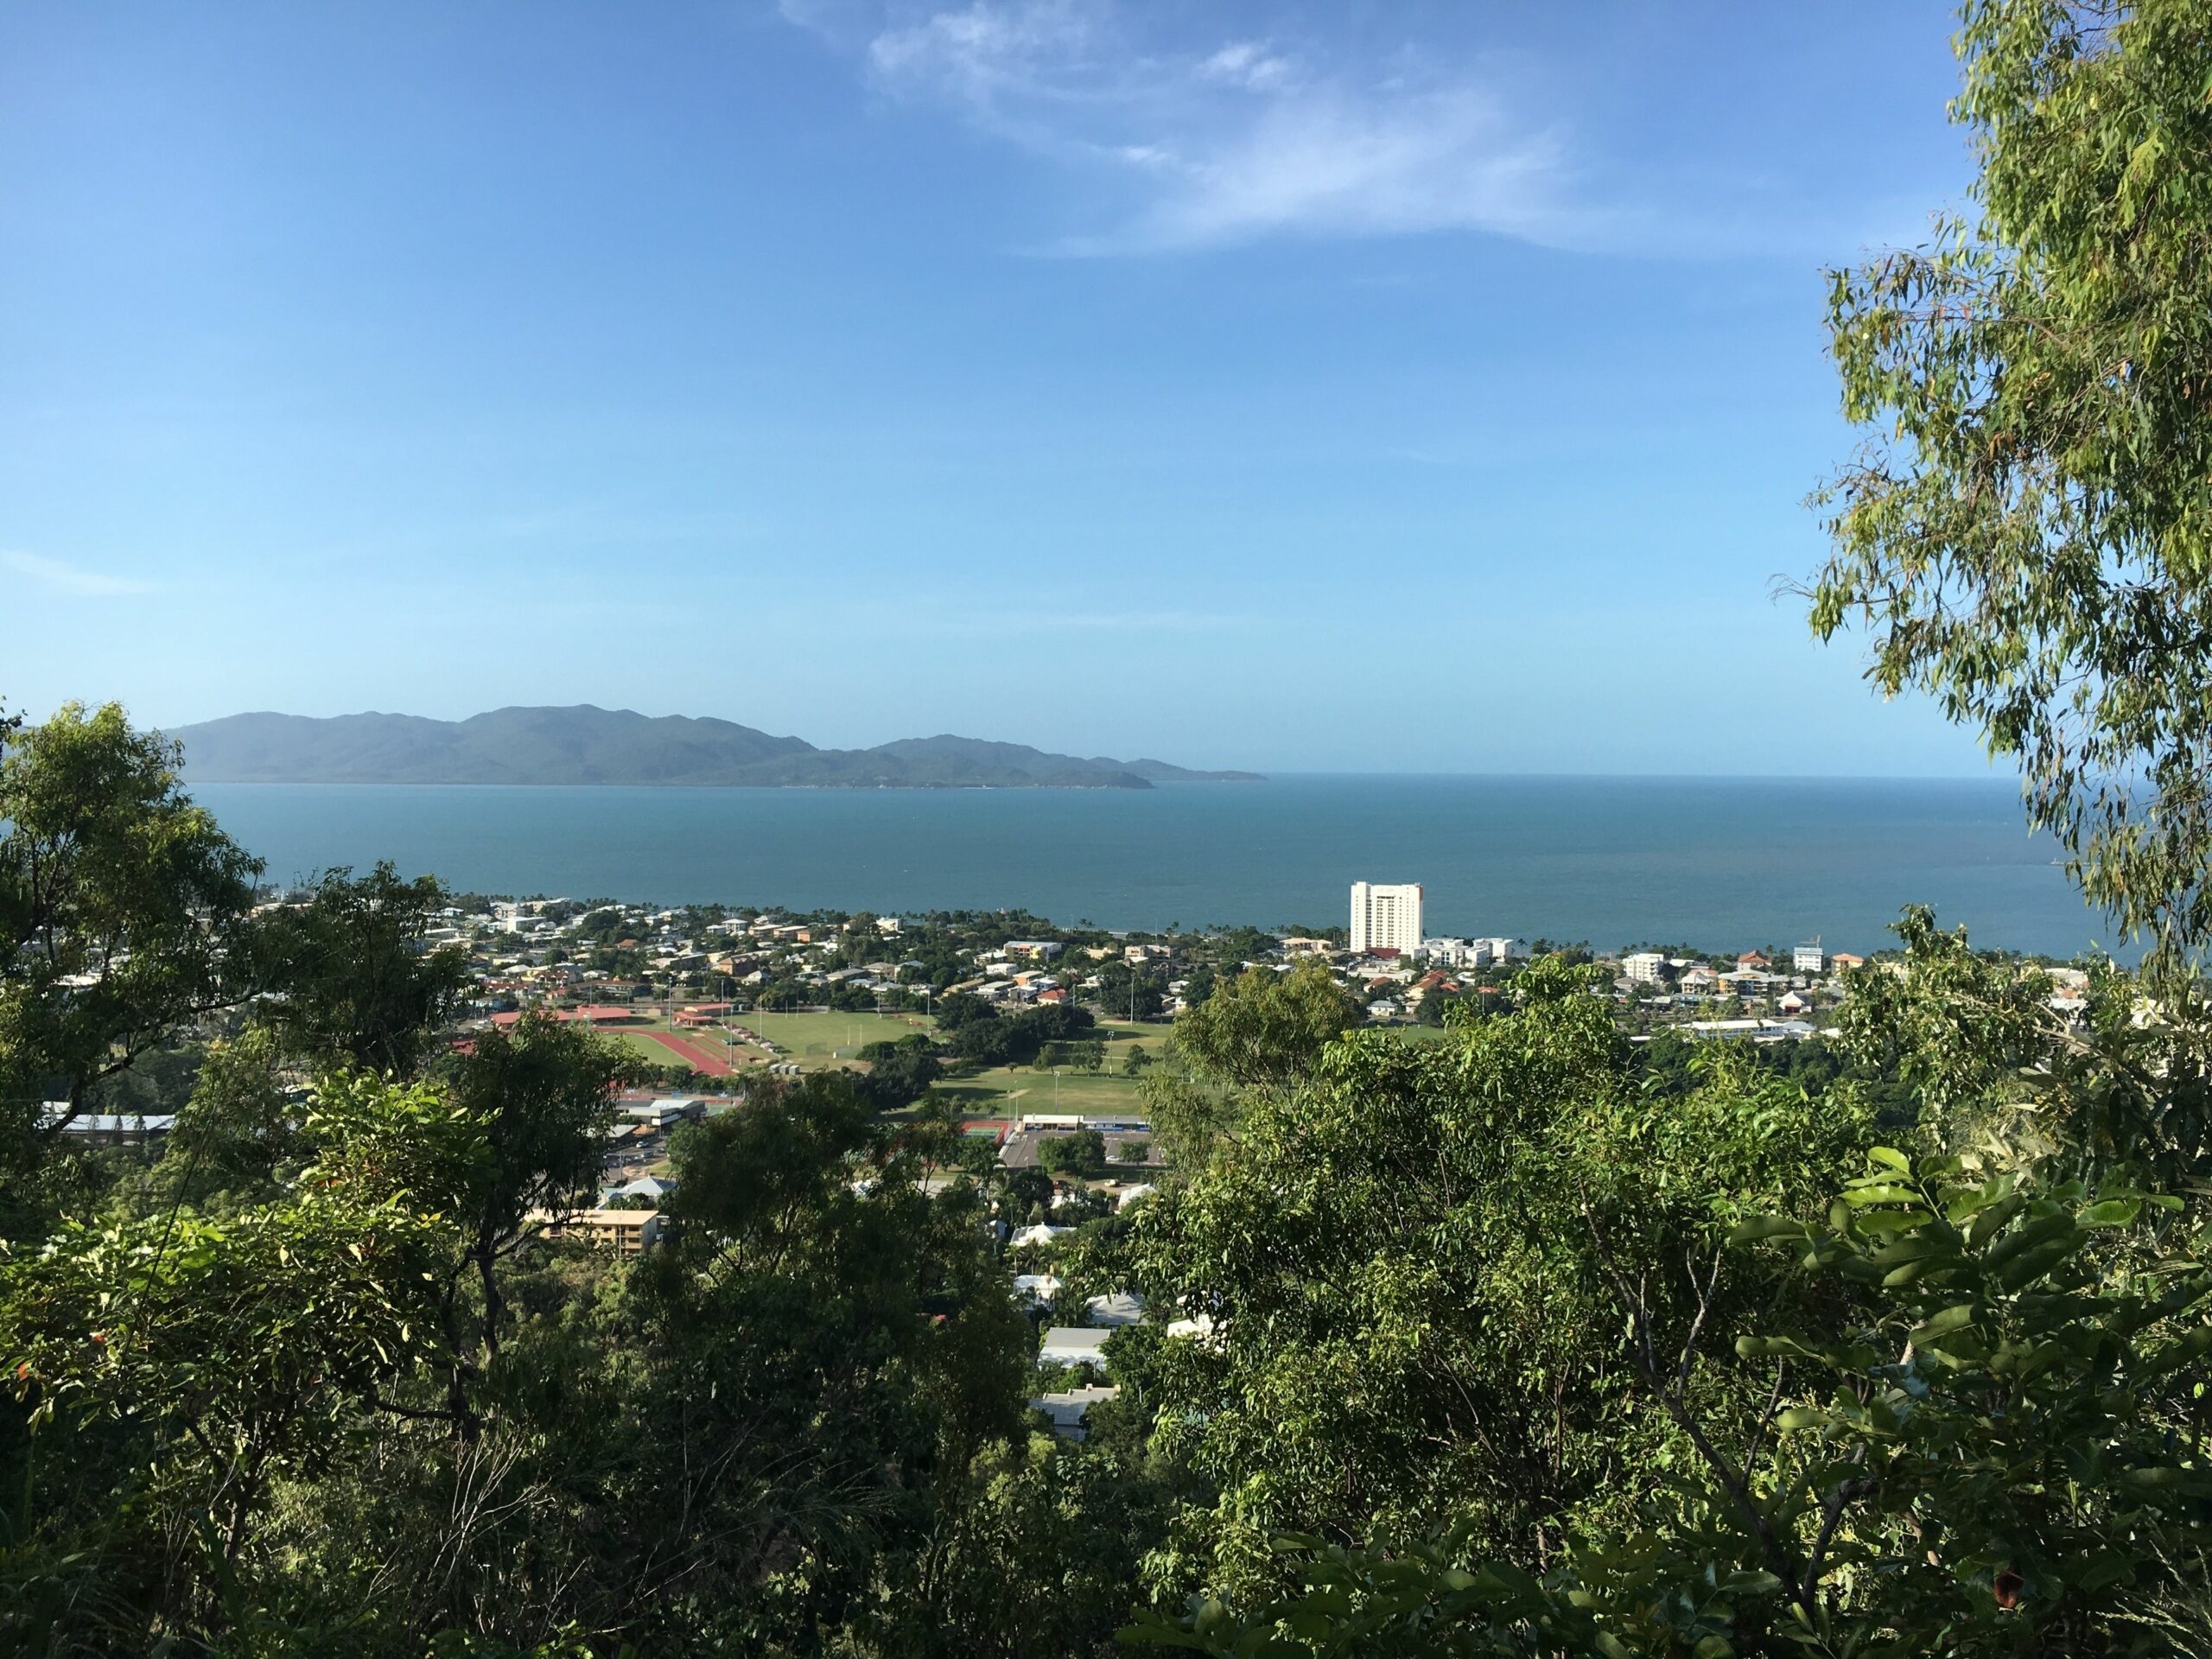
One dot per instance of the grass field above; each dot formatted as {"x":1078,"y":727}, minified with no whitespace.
{"x":812,"y":1040}
{"x":820,"y":1041}
{"x":823,"y":1039}
{"x":1005,"y":1091}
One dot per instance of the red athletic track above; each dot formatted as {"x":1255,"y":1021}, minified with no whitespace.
{"x":691,"y":1054}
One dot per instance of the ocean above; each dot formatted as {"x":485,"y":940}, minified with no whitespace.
{"x":1719,"y":864}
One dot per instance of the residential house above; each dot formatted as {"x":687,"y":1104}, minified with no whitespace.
{"x":655,"y":1187}
{"x":108,"y":1128}
{"x":1117,"y":1307}
{"x":1066,"y":1409}
{"x":1074,"y":1345}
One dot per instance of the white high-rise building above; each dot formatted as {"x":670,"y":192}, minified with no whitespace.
{"x":1386,"y":916}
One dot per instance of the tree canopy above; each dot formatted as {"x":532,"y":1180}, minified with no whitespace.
{"x":123,"y":913}
{"x":352,"y":973}
{"x":2027,"y":534}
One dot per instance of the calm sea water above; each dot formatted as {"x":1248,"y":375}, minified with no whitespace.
{"x":1717,"y":862}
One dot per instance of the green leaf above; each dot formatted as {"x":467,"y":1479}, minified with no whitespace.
{"x":1940,"y":1325}
{"x":1763,"y":1227}
{"x":2111,"y":1212}
{"x":1987,"y":1223}
{"x":1885,"y":1193}
{"x":1893,"y":1221}
{"x":2024,"y":1270}
{"x":1913,"y":1272}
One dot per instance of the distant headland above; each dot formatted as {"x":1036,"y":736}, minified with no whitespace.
{"x":587,"y":745}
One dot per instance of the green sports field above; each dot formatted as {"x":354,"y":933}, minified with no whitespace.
{"x":1006,"y":1092}
{"x":817,"y":1041}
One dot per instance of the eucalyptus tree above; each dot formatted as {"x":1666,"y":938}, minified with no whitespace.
{"x":2027,"y":533}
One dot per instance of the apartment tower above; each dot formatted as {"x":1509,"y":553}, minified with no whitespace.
{"x":1386,"y":916}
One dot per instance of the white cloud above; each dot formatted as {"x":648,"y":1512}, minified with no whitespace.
{"x":68,"y":578}
{"x":1325,"y":163}
{"x":987,"y":52}
{"x":1247,"y":64}
{"x":1230,"y":141}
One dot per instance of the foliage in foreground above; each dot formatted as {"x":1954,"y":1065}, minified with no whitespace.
{"x":2028,"y":533}
{"x":2001,"y":1456}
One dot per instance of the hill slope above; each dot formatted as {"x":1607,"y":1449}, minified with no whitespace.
{"x":587,"y":744}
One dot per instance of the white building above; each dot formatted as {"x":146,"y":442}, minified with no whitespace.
{"x":1073,"y":1345}
{"x":1066,"y":1409}
{"x":1758,"y":1031}
{"x":1645,"y":966}
{"x":1809,"y":958}
{"x":1117,"y":1308}
{"x":1384,"y":917}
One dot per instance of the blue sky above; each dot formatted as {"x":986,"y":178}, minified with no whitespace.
{"x":1342,"y":385}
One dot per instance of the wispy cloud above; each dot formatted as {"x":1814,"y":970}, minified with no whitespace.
{"x":1228,"y":141}
{"x":65,"y":578}
{"x":1248,"y":65}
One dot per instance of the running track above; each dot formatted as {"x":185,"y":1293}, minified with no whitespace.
{"x":691,"y":1054}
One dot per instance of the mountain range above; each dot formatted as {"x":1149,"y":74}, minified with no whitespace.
{"x":587,"y":744}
